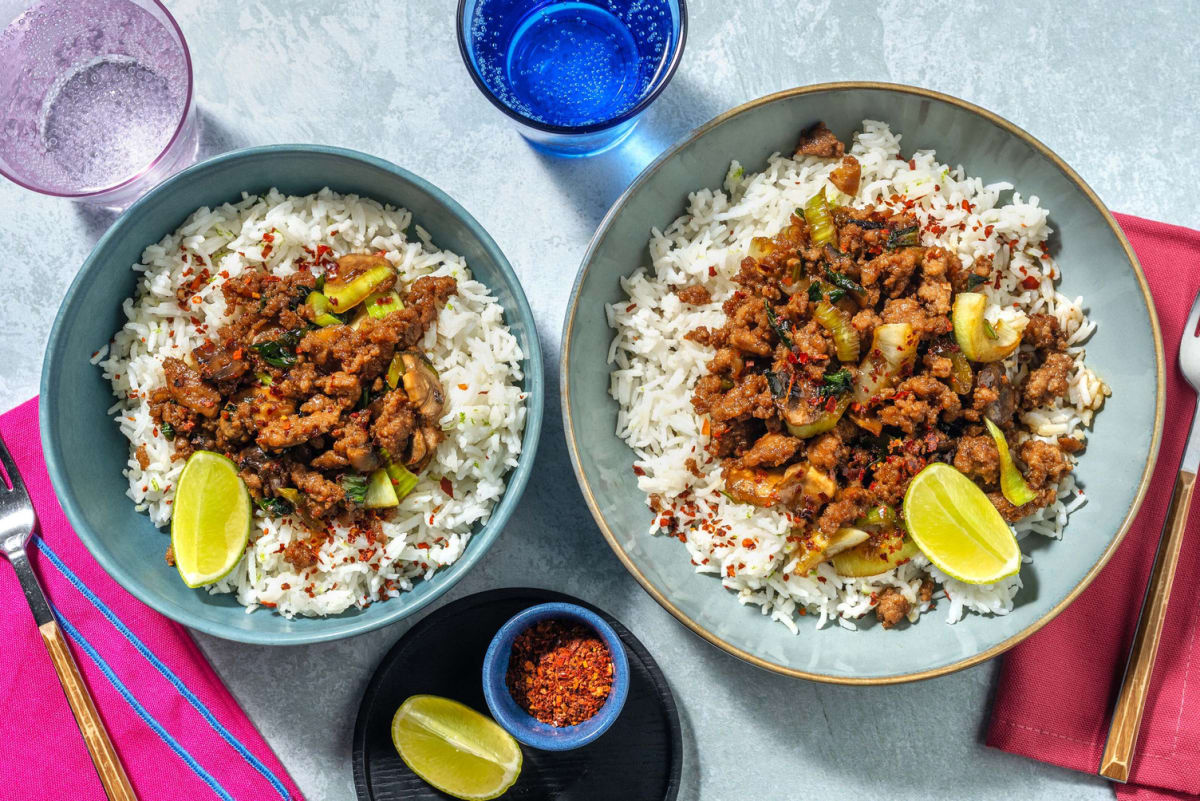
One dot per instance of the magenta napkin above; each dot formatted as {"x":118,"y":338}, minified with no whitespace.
{"x":177,"y":729}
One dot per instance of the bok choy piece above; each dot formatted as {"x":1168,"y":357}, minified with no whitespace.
{"x":893,"y":350}
{"x":1012,"y":483}
{"x":821,"y":228}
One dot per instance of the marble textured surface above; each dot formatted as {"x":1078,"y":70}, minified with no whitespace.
{"x":1113,"y":93}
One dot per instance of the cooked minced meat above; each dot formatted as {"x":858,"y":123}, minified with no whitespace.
{"x":300,"y":405}
{"x":787,"y":427}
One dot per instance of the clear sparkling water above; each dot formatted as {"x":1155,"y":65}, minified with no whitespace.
{"x":571,"y":63}
{"x":91,"y":93}
{"x":108,"y":120}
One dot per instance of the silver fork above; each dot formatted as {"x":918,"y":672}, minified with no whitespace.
{"x":17,"y":522}
{"x":1127,"y":715}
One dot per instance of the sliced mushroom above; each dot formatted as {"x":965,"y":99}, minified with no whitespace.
{"x":422,"y":387}
{"x":422,"y":447}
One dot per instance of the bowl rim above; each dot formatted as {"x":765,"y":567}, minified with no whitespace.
{"x":482,"y":539}
{"x":524,"y":726}
{"x":573,"y":447}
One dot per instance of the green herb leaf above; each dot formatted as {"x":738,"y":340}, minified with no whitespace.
{"x":814,"y":292}
{"x":776,"y":327}
{"x":280,"y":352}
{"x":843,"y":282}
{"x":355,"y":487}
{"x":837,"y":383}
{"x":903,"y":237}
{"x":167,"y":430}
{"x":991,"y":332}
{"x":274,"y":506}
{"x":974,"y":280}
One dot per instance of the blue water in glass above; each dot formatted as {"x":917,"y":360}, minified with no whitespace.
{"x":574,"y":63}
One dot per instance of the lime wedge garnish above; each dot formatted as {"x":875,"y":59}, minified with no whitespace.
{"x":954,"y":524}
{"x":211,"y":520}
{"x":454,"y":748}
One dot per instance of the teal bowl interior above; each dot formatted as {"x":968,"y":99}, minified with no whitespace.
{"x":1096,"y":262}
{"x":85,"y":452}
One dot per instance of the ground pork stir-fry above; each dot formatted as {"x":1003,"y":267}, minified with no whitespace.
{"x":312,"y":387}
{"x":839,"y":374}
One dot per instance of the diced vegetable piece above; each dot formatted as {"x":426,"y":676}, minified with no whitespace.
{"x":322,"y":309}
{"x":395,"y":371}
{"x":760,"y":246}
{"x":979,"y":340}
{"x":893,"y":350}
{"x":844,"y":539}
{"x":962,"y":377}
{"x":821,"y":229}
{"x":1012,"y":483}
{"x":881,"y":515}
{"x":879,"y":554}
{"x":347,"y":295}
{"x":819,"y":548}
{"x":291,"y":494}
{"x":383,"y":304}
{"x":403,"y":480}
{"x":355,"y":487}
{"x":801,"y":423}
{"x":817,"y":485}
{"x":837,"y":322}
{"x":264,"y":379}
{"x":380,"y":492}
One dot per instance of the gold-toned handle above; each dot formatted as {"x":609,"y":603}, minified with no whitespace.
{"x":1127,"y":716}
{"x":104,"y":757}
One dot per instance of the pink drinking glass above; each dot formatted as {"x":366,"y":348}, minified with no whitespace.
{"x":96,"y":100}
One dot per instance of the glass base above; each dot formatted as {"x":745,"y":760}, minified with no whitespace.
{"x":576,"y":146}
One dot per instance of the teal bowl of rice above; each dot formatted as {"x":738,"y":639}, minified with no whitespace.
{"x":718,"y":448}
{"x":158,"y":287}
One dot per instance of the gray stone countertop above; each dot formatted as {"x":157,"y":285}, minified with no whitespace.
{"x":1110,"y":88}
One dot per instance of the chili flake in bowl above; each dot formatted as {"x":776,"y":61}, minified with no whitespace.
{"x":555,"y":676}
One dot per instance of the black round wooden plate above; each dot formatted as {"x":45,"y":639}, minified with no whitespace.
{"x":638,"y":758}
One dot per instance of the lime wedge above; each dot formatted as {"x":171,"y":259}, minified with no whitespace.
{"x":957,"y":527}
{"x":454,"y":748}
{"x":211,"y":520}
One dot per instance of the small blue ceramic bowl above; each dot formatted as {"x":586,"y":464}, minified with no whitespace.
{"x":85,"y":452}
{"x":517,"y":721}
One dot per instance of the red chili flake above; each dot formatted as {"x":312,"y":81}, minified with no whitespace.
{"x":965,"y":205}
{"x":712,"y":269}
{"x":560,"y":672}
{"x":446,"y":486}
{"x":268,"y":237}
{"x":285,"y":586}
{"x":637,"y":471}
{"x":988,"y":231}
{"x":266,"y":251}
{"x":831,"y":404}
{"x":630,"y":307}
{"x":1029,"y":282}
{"x":912,"y":164}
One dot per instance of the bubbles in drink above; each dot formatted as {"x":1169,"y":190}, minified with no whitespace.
{"x":571,"y":63}
{"x":99,"y":89}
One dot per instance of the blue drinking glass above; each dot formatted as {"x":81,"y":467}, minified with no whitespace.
{"x":574,"y":75}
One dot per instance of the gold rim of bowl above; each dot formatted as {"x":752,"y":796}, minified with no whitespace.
{"x":663,"y":600}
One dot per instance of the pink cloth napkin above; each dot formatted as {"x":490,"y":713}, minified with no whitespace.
{"x":1056,"y":690}
{"x":177,"y":729}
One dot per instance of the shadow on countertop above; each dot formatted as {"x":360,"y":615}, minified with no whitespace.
{"x":215,"y":139}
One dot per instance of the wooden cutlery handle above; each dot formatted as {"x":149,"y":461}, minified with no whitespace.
{"x":112,"y":774}
{"x":1127,"y":716}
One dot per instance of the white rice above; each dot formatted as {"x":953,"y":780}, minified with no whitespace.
{"x":654,"y":369}
{"x":476,"y":357}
